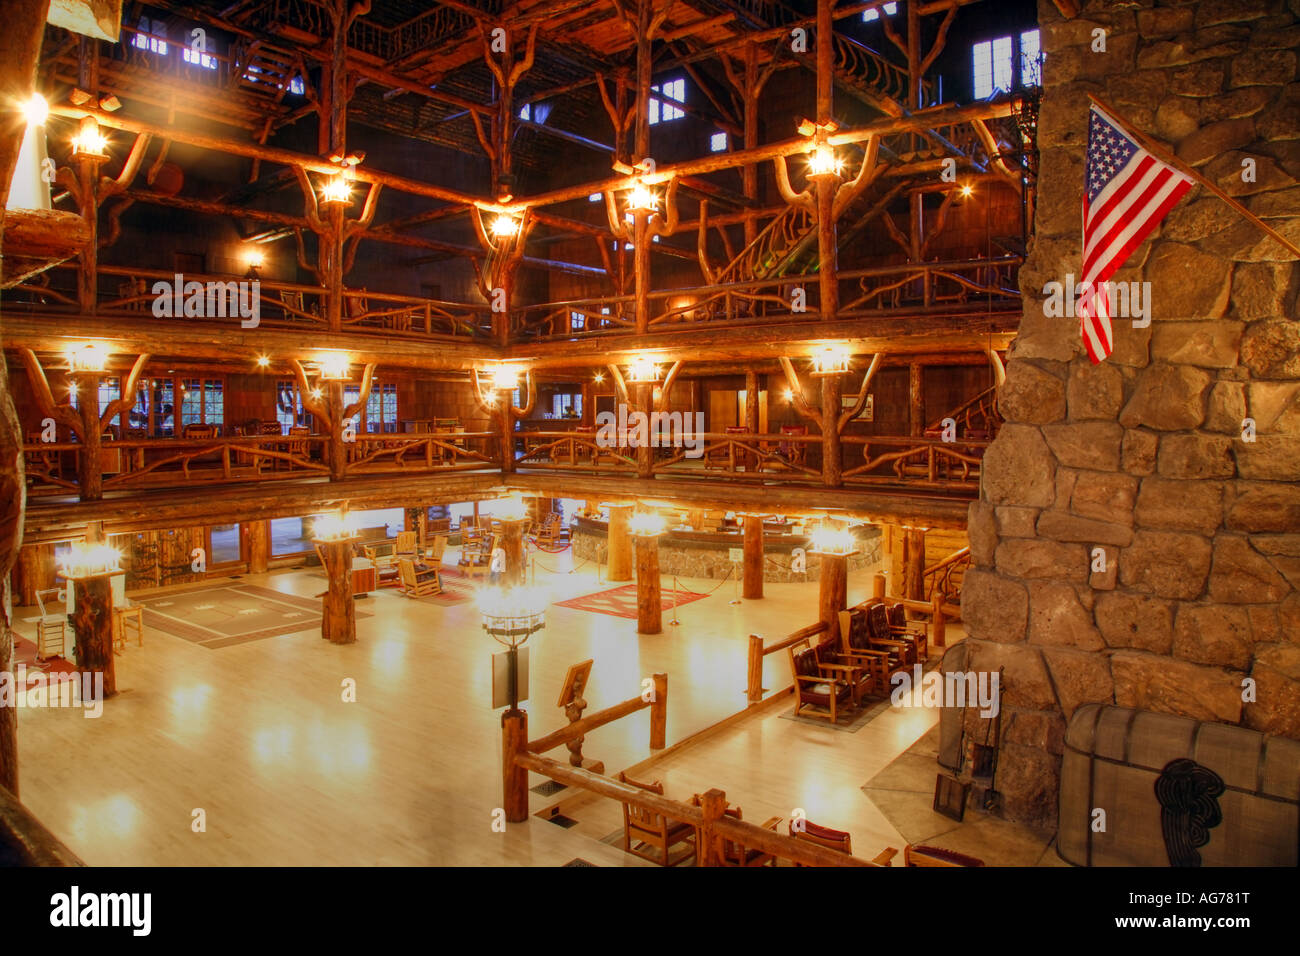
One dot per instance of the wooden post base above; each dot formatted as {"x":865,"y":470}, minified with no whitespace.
{"x":620,"y":543}
{"x":338,"y":609}
{"x":752,"y":588}
{"x":833,"y":595}
{"x":514,"y":740}
{"x":649,"y":602}
{"x":92,"y":621}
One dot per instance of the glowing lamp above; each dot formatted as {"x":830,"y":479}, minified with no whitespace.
{"x":512,"y":615}
{"x":643,"y":370}
{"x":85,"y":560}
{"x":89,"y":141}
{"x":823,"y":161}
{"x":505,"y":227}
{"x":334,"y":367}
{"x":254,"y":258}
{"x":838,"y":542}
{"x":509,"y":509}
{"x":88,"y":358}
{"x":36,"y":110}
{"x":641,"y":198}
{"x":832,"y":360}
{"x":646,"y":523}
{"x":505,"y":378}
{"x":336,"y":191}
{"x":966,"y":191}
{"x":338,"y":526}
{"x":263,"y":361}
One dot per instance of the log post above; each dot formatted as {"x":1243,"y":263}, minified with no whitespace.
{"x":514,"y":741}
{"x":259,"y":546}
{"x":915,"y":401}
{"x":939,"y":627}
{"x":713,"y":804}
{"x":914,"y":564}
{"x":754,"y":681}
{"x":753,"y":568}
{"x":659,"y":713}
{"x":878,"y":586}
{"x":649,"y":602}
{"x":645,"y":453}
{"x":90,"y":475}
{"x":832,"y":457}
{"x":512,"y":543}
{"x":338,"y":609}
{"x":338,"y":453}
{"x":620,"y":543}
{"x":92,"y":622}
{"x":833,"y":595}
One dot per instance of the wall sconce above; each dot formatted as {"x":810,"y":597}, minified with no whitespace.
{"x":505,"y":378}
{"x":505,"y":226}
{"x":316,"y":393}
{"x":334,"y":367}
{"x":254,"y":259}
{"x":832,"y":360}
{"x":336,"y":190}
{"x":84,"y":560}
{"x":643,"y":371}
{"x":263,"y":361}
{"x":338,"y":526}
{"x":837,"y":542}
{"x":89,"y":141}
{"x":648,"y":524}
{"x":88,"y":358}
{"x":641,"y":198}
{"x":823,"y":161}
{"x":599,"y":378}
{"x":511,"y":508}
{"x":966,"y":190}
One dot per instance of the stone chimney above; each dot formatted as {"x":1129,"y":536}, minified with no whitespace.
{"x":1177,"y":459}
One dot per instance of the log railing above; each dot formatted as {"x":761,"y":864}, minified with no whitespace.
{"x":939,"y":577}
{"x":759,"y":650}
{"x":24,"y":840}
{"x":372,"y":454}
{"x":921,"y":461}
{"x":562,"y":449}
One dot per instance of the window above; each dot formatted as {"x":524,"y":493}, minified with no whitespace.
{"x":595,"y":197}
{"x":566,"y":405}
{"x":381,"y":409}
{"x":1031,"y":60}
{"x":202,"y":402}
{"x":152,"y":36}
{"x":198,"y":59}
{"x":139,"y":414}
{"x":993,"y":64}
{"x":110,"y":390}
{"x":297,"y":86}
{"x":164,"y":421}
{"x":674,"y":90}
{"x":874,"y":12}
{"x":351,"y":395}
{"x":577,"y":322}
{"x":526,"y":112}
{"x":288,"y":406}
{"x":718,"y":143}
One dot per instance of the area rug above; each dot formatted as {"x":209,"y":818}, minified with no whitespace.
{"x":851,"y":722}
{"x":453,"y":592}
{"x":25,"y":654}
{"x":230,"y":615}
{"x":621,"y":601}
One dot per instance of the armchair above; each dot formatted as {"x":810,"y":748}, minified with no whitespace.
{"x":416,"y":584}
{"x":647,"y":831}
{"x":819,"y":685}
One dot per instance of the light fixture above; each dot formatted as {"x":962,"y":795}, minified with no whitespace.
{"x":336,"y":526}
{"x":838,"y":542}
{"x":84,"y":560}
{"x":641,"y":198}
{"x":336,"y":190}
{"x":36,"y":110}
{"x":643,"y":370}
{"x":832,"y":360}
{"x":334,"y":367}
{"x":505,"y":377}
{"x":966,"y":190}
{"x":505,"y":226}
{"x":263,"y":361}
{"x":823,"y":161}
{"x":315,"y":393}
{"x":89,"y":141}
{"x":511,"y":508}
{"x":646,"y":523}
{"x":254,"y":258}
{"x":598,"y":378}
{"x":90,"y":357}
{"x":788,"y":395}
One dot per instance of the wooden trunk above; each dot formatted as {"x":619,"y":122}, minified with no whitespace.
{"x":514,"y":740}
{"x":92,"y":622}
{"x":512,"y":543}
{"x":832,"y":459}
{"x":914,"y":564}
{"x":339,"y":614}
{"x":259,"y":546}
{"x":833,"y":596}
{"x":620,"y":543}
{"x":753,"y":569}
{"x":649,"y":603}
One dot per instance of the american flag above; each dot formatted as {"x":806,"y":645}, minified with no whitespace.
{"x":1128,"y":192}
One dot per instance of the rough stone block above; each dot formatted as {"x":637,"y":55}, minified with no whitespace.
{"x":1135,"y":620}
{"x":1166,"y":563}
{"x":1196,"y":456}
{"x":1018,"y":468}
{"x":1079,"y":678}
{"x":1094,"y":392}
{"x":1092,"y":445}
{"x":1139,"y":447}
{"x":1034,"y":558}
{"x":1263,"y":68}
{"x":1269,"y":458}
{"x":1212,"y":634}
{"x":1180,"y":505}
{"x":1031,"y":395}
{"x":982,"y":532}
{"x":1103,"y":567}
{"x":1241,"y":575}
{"x":1265,"y":508}
{"x":1063,"y":526}
{"x":1104,"y":495}
{"x":1173,"y":686}
{"x":1024,"y":681}
{"x":1028,"y":781}
{"x":1271,"y":349}
{"x":994,"y":608}
{"x":1056,"y":618}
{"x":1215,"y":139}
{"x":1227,"y":407}
{"x":1274,"y":404}
{"x":1203,"y":344}
{"x":1167,"y":398}
{"x":1013,"y":522}
{"x":1276,"y":709}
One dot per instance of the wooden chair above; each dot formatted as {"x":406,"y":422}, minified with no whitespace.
{"x":437,"y":550}
{"x":551,"y":530}
{"x":417,"y":584}
{"x":730,"y":853}
{"x":919,"y":855}
{"x":794,"y":453}
{"x":856,"y":648}
{"x":476,"y":562}
{"x":407,"y":542}
{"x":200,"y":430}
{"x":124,"y":617}
{"x":51,"y":629}
{"x":385,"y":565}
{"x":646,"y":831}
{"x":866,"y":634}
{"x":911,"y":631}
{"x":838,"y":840}
{"x":818,"y":685}
{"x":883,"y":633}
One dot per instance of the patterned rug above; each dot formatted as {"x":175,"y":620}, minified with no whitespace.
{"x":621,"y":601}
{"x":232,"y":614}
{"x":25,"y":653}
{"x":458,"y":591}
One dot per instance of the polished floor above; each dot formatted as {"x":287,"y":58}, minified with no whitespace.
{"x":259,"y":737}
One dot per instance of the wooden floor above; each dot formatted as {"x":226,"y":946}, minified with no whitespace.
{"x":257,"y":735}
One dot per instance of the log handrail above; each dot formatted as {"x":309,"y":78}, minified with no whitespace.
{"x":758,"y":650}
{"x":25,"y":841}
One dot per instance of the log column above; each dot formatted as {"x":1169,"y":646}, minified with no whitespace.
{"x":259,"y":546}
{"x":913,"y":564}
{"x":338,"y":609}
{"x":512,"y":543}
{"x":649,"y":603}
{"x":620,"y":543}
{"x":90,"y":475}
{"x":833,"y":595}
{"x":92,"y":623}
{"x":514,"y":740}
{"x":832,"y":456}
{"x":752,"y":584}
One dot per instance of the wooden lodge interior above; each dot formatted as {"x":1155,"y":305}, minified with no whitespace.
{"x":436,"y":248}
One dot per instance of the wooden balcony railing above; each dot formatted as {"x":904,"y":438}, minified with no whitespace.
{"x":24,"y":840}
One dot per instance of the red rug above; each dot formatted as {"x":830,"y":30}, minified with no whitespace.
{"x":621,"y":601}
{"x":25,"y":653}
{"x":453,"y":592}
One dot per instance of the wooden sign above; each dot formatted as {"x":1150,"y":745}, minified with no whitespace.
{"x":575,"y":682}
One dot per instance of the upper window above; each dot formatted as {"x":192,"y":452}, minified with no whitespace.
{"x":381,"y":409}
{"x":297,"y":86}
{"x":718,"y":142}
{"x":874,"y":12}
{"x":152,"y":36}
{"x":662,"y":111}
{"x":526,"y":112}
{"x":191,"y":55}
{"x":993,"y":64}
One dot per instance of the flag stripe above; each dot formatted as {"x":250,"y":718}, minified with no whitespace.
{"x":1114,"y":249}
